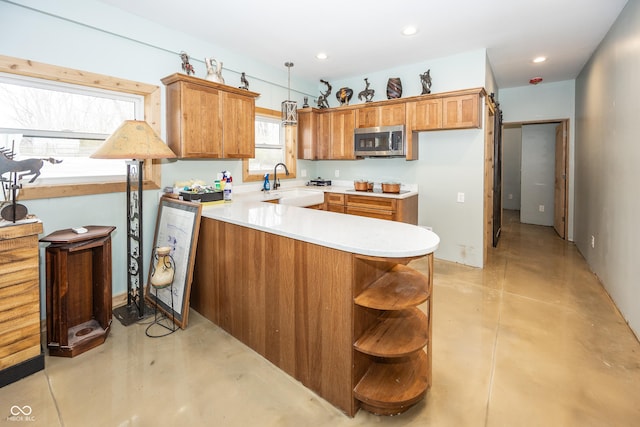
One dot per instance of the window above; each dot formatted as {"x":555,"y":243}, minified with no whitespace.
{"x":94,"y":105}
{"x":275,"y":144}
{"x":64,"y":124}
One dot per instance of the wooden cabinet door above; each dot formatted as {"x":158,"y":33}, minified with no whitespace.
{"x":238,"y":132}
{"x":385,"y":115}
{"x":392,"y":115}
{"x":323,"y":136}
{"x":368,"y":117}
{"x":194,"y":121}
{"x":424,"y":115}
{"x":459,"y":112}
{"x":342,"y":126}
{"x":307,"y":134}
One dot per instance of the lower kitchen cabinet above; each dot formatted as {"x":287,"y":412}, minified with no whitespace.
{"x":334,"y":202}
{"x":389,"y":208}
{"x":353,"y":333}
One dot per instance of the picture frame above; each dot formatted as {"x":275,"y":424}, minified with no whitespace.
{"x":177,"y":226}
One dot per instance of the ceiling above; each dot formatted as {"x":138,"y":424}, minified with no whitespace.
{"x":360,"y":36}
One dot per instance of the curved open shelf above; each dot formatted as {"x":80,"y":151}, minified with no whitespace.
{"x":398,"y":333}
{"x":391,"y":386}
{"x":401,"y":287}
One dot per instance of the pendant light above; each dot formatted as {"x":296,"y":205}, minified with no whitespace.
{"x":289,"y":108}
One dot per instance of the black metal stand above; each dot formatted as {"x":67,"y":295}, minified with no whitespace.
{"x":136,"y":308}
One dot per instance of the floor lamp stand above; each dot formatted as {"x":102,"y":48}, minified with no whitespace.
{"x":136,"y":308}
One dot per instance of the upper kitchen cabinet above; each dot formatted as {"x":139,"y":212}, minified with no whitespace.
{"x":461,"y":111}
{"x":341,"y":141}
{"x":307,"y":134}
{"x":425,"y":114}
{"x":325,"y":134}
{"x":209,"y":120}
{"x":380,"y":115}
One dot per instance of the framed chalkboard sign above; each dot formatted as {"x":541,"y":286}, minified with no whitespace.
{"x":177,"y":227}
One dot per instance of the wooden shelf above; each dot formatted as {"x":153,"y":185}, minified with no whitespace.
{"x":398,"y":333}
{"x":392,"y":386}
{"x":401,"y":287}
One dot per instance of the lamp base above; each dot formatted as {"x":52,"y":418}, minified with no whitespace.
{"x":128,"y":314}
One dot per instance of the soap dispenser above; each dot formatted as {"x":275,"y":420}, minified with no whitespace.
{"x":266,"y":186}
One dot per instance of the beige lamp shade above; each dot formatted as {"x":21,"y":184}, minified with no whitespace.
{"x":134,"y":139}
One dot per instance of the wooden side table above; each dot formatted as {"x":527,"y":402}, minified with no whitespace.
{"x":78,"y":290}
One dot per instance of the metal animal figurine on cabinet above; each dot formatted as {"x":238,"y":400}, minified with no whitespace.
{"x":324,"y":97}
{"x":186,"y":66}
{"x":244,"y":81}
{"x":214,"y":70}
{"x":367,"y":93}
{"x":425,"y":79}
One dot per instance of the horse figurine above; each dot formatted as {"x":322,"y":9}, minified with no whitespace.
{"x":214,"y":70}
{"x":366,"y":93}
{"x":186,"y":66}
{"x":29,"y":166}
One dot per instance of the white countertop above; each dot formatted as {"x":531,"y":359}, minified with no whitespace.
{"x":349,"y":233}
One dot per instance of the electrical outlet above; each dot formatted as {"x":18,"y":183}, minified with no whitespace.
{"x":541,"y":208}
{"x":337,"y":173}
{"x":303,"y":172}
{"x":460,"y":197}
{"x":510,"y":196}
{"x":593,"y":242}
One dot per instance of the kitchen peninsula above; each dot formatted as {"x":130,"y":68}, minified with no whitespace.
{"x":326,"y":297}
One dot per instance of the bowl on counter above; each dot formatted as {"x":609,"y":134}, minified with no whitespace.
{"x":390,"y":187}
{"x":363,"y":185}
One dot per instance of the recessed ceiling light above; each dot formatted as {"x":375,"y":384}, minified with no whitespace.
{"x":409,"y":30}
{"x":321,"y":55}
{"x":540,"y":59}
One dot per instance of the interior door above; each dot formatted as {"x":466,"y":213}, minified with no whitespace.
{"x":560,"y":191}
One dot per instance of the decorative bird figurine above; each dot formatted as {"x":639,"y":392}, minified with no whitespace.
{"x":244,"y":81}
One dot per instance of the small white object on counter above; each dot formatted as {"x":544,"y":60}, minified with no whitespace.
{"x":79,"y":230}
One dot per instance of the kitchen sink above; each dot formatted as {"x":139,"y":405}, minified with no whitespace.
{"x":298,"y":197}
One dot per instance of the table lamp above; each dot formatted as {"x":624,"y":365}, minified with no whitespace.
{"x":136,"y":141}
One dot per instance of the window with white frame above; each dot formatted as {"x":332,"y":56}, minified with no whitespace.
{"x":63,"y":124}
{"x":270,"y":144}
{"x":274,"y":143}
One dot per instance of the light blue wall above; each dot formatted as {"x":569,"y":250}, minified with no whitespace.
{"x":607,"y":156}
{"x":511,"y":167}
{"x":545,"y":102}
{"x":449,"y":161}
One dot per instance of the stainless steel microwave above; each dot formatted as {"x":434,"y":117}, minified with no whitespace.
{"x":381,"y":141}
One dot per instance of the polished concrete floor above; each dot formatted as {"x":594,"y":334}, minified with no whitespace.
{"x":530,"y":340}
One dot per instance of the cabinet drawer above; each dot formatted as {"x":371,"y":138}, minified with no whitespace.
{"x":335,"y":208}
{"x":334,"y":198}
{"x":371,"y":213}
{"x":369,"y":202}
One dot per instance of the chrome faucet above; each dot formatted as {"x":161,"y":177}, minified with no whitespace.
{"x":276,"y":183}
